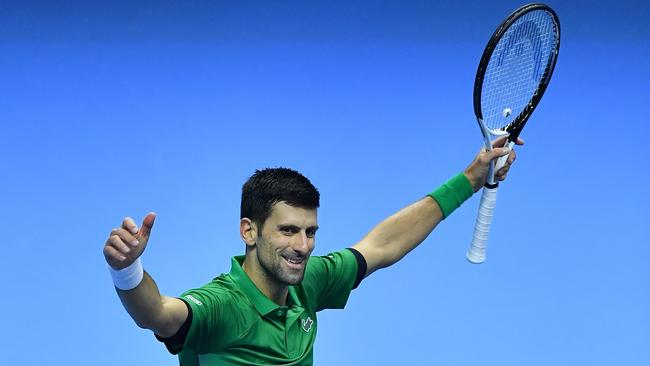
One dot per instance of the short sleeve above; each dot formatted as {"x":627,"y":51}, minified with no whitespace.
{"x":329,"y":279}
{"x":207,"y":306}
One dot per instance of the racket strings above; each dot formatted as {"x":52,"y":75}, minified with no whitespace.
{"x":517,"y":67}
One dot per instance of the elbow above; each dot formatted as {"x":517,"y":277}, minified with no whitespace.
{"x":144,"y":324}
{"x":149,"y":323}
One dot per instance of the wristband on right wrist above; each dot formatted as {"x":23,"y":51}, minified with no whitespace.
{"x":452,"y":194}
{"x":129,"y":277}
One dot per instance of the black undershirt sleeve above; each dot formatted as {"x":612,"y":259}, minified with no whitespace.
{"x":362,"y":267}
{"x":175,"y":343}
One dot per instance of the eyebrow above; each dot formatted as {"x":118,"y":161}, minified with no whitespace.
{"x":296,"y":227}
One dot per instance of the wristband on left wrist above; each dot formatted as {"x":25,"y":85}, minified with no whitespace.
{"x":452,"y":194}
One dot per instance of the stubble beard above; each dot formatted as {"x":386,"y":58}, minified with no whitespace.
{"x":274,"y":270}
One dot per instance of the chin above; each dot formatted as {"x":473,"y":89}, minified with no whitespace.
{"x":293,"y":280}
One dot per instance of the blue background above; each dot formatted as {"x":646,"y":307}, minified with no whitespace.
{"x":111,"y":109}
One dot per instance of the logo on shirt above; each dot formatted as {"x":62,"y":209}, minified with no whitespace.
{"x":193,"y":299}
{"x":306,"y":324}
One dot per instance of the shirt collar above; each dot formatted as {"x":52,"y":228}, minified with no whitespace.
{"x":262,"y":304}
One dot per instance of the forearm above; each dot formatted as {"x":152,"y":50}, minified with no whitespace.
{"x":403,"y":231}
{"x":151,"y":310}
{"x":143,"y":303}
{"x":136,"y":289}
{"x":400,"y":233}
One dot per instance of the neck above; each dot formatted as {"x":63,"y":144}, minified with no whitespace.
{"x":265,"y":282}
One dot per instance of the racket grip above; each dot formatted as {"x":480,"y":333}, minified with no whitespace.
{"x":476,"y":253}
{"x":501,"y":161}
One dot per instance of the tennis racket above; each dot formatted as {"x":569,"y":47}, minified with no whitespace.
{"x":513,"y":74}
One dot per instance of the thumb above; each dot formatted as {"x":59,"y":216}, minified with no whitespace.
{"x":147,"y":224}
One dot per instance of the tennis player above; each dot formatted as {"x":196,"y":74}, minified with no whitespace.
{"x":263,"y":312}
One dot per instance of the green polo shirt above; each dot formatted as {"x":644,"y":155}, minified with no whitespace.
{"x":233,"y":323}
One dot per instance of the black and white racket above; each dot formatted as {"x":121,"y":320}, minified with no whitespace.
{"x":515,"y":70}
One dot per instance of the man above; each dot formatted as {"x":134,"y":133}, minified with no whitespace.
{"x":264,"y":311}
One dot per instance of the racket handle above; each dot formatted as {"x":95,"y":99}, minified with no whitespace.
{"x":476,"y":253}
{"x":502,"y":160}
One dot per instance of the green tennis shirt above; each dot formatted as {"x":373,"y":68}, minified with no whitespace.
{"x":233,"y":323}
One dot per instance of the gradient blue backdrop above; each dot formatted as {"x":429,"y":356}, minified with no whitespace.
{"x":111,"y":109}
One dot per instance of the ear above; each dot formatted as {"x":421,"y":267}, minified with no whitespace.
{"x":248,"y":232}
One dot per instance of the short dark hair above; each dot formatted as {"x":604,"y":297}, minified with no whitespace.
{"x":269,"y":186}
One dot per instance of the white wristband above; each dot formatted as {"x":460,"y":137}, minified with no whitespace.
{"x":128,"y":278}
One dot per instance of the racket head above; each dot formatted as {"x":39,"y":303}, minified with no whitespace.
{"x":515,"y":69}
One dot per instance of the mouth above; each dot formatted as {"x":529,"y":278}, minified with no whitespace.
{"x":295,"y":262}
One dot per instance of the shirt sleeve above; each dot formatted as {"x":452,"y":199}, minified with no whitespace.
{"x":329,"y":279}
{"x":205,"y":307}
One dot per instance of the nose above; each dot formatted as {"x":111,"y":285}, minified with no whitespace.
{"x":302,"y":244}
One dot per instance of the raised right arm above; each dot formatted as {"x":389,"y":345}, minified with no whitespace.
{"x":149,"y":309}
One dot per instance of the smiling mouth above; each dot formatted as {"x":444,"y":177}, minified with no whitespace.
{"x":295,"y":262}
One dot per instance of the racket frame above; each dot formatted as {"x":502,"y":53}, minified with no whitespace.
{"x":514,"y":128}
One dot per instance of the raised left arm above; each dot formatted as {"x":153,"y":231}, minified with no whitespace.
{"x":401,"y":232}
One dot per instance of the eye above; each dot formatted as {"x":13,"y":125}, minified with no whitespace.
{"x":289,"y":230}
{"x":311,"y":233}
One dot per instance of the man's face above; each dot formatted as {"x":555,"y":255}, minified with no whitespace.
{"x":286,"y":241}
